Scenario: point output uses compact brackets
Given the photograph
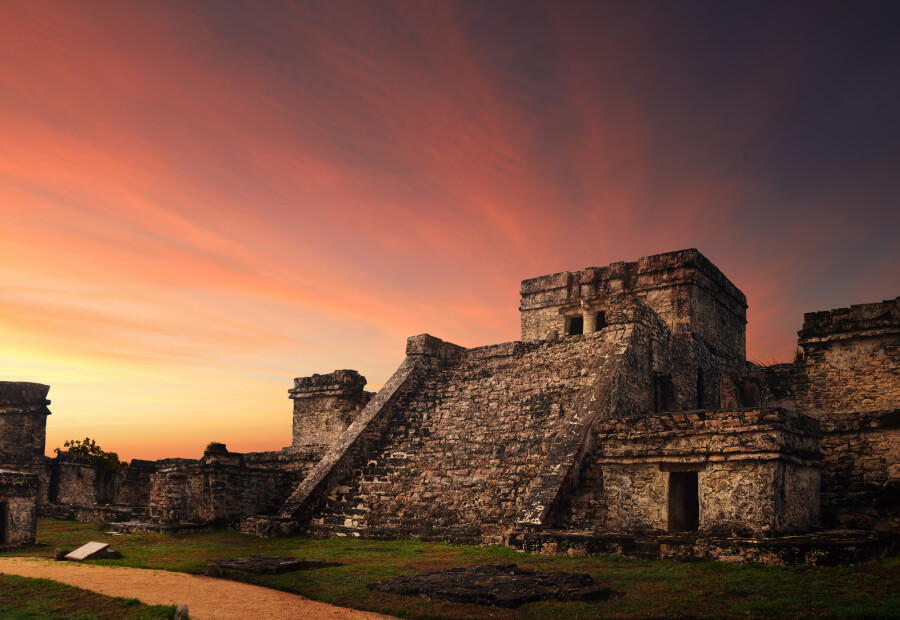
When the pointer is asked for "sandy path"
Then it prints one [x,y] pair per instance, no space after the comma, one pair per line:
[205,597]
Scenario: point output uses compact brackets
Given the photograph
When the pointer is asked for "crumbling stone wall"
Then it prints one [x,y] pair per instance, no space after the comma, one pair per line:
[324,406]
[78,480]
[18,508]
[466,444]
[861,474]
[217,489]
[849,378]
[757,470]
[851,360]
[686,290]
[23,419]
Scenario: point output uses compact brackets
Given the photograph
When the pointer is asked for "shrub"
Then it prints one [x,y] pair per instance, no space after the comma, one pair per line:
[89,447]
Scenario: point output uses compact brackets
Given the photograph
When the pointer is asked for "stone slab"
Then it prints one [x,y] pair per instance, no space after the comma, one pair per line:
[501,585]
[87,550]
[272,564]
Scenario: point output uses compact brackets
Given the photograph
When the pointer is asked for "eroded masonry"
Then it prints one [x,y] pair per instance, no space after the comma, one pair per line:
[626,420]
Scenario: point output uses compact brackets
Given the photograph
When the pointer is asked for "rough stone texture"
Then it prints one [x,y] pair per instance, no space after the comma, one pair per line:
[686,290]
[324,406]
[828,548]
[501,585]
[271,564]
[18,508]
[457,458]
[756,471]
[649,421]
[218,489]
[23,420]
[851,360]
[849,378]
[23,423]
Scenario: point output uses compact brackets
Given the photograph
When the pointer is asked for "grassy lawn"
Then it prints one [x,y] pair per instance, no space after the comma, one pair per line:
[21,597]
[647,588]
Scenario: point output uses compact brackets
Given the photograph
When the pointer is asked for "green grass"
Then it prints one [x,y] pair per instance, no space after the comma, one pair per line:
[21,597]
[647,588]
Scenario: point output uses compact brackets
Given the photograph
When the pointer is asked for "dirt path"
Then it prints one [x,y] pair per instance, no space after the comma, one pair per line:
[205,597]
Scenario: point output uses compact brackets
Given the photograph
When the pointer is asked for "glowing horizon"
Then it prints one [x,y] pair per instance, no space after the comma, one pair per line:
[199,203]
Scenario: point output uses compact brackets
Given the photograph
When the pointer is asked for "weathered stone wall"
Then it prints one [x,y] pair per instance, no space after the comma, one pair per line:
[861,474]
[757,471]
[23,419]
[466,444]
[324,406]
[686,290]
[18,508]
[77,480]
[218,489]
[23,424]
[851,360]
[131,485]
[849,378]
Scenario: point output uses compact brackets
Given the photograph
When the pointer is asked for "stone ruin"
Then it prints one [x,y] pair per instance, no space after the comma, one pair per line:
[626,420]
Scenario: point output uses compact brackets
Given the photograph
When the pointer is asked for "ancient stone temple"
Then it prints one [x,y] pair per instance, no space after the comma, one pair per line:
[626,420]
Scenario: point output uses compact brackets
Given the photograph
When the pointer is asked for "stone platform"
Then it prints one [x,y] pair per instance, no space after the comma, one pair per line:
[824,548]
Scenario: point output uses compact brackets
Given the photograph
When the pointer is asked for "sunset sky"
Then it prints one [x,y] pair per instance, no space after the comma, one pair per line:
[200,200]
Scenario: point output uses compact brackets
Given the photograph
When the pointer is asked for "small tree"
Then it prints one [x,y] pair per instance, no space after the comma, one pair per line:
[89,447]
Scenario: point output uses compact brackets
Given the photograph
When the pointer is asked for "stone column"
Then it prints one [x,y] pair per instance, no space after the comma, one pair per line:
[590,322]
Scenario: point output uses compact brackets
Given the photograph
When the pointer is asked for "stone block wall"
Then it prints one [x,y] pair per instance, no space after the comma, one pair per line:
[686,290]
[23,419]
[861,471]
[851,360]
[757,471]
[458,458]
[218,489]
[23,424]
[849,378]
[77,480]
[324,406]
[18,508]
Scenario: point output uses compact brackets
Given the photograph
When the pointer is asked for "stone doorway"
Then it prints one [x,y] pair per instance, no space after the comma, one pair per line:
[574,325]
[684,502]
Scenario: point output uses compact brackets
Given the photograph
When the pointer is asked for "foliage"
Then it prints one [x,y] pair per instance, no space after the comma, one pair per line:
[89,447]
[215,446]
[798,354]
[646,588]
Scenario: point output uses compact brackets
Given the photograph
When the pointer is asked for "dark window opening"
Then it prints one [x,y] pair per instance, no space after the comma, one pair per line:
[574,325]
[748,393]
[601,321]
[684,502]
[4,515]
[663,393]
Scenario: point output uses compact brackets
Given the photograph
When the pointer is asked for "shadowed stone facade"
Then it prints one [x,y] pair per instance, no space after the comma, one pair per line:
[23,423]
[626,420]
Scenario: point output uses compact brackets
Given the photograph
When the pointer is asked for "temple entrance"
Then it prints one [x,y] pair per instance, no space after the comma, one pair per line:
[574,325]
[684,502]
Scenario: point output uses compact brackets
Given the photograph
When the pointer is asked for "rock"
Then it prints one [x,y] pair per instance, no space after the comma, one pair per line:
[503,585]
[59,554]
[272,564]
[212,570]
[107,554]
[181,612]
